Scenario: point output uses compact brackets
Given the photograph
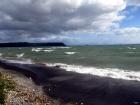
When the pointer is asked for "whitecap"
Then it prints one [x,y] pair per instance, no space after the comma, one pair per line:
[131,48]
[1,54]
[61,47]
[39,48]
[36,49]
[20,55]
[48,50]
[129,52]
[21,61]
[70,53]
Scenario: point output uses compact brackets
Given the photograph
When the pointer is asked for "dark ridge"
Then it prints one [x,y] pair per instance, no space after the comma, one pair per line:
[26,44]
[85,89]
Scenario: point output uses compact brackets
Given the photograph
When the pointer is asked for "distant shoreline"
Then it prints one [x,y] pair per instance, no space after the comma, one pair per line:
[27,44]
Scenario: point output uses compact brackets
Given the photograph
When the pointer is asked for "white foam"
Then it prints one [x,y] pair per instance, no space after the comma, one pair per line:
[48,50]
[129,52]
[39,48]
[20,55]
[62,47]
[107,72]
[70,53]
[131,48]
[42,49]
[1,54]
[23,61]
[58,48]
[36,49]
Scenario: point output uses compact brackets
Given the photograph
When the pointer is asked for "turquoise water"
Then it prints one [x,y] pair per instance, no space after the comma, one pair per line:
[116,56]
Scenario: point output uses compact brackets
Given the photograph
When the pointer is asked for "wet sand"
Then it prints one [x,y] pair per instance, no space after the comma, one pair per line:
[79,88]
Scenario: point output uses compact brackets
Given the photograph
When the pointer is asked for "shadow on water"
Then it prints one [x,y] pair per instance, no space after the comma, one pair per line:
[81,88]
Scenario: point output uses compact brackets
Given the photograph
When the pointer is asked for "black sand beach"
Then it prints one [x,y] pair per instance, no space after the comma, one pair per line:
[79,88]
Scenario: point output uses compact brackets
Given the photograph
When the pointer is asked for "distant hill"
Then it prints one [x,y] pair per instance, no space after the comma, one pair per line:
[26,44]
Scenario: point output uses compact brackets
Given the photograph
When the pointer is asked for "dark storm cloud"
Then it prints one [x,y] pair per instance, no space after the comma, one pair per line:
[31,17]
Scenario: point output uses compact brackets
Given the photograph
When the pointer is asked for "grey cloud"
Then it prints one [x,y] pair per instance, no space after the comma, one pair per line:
[56,16]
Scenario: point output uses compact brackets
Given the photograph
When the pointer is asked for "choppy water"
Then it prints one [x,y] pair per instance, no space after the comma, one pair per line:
[117,61]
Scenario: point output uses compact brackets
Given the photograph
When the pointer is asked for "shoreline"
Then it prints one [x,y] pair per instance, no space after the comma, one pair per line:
[83,89]
[27,92]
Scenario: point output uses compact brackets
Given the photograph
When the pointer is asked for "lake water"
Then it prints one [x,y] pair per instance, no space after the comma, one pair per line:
[116,61]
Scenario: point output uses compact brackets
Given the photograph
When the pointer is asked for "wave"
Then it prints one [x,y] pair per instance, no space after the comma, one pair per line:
[77,88]
[21,61]
[20,55]
[48,50]
[55,48]
[36,49]
[1,54]
[61,47]
[131,48]
[70,53]
[104,72]
[130,52]
[41,49]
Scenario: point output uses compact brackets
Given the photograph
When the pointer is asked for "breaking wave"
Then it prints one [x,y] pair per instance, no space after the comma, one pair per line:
[104,72]
[42,49]
[70,53]
[21,61]
[131,48]
[20,55]
[1,54]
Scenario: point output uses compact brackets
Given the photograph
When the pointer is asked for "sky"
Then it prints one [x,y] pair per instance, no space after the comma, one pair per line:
[74,22]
